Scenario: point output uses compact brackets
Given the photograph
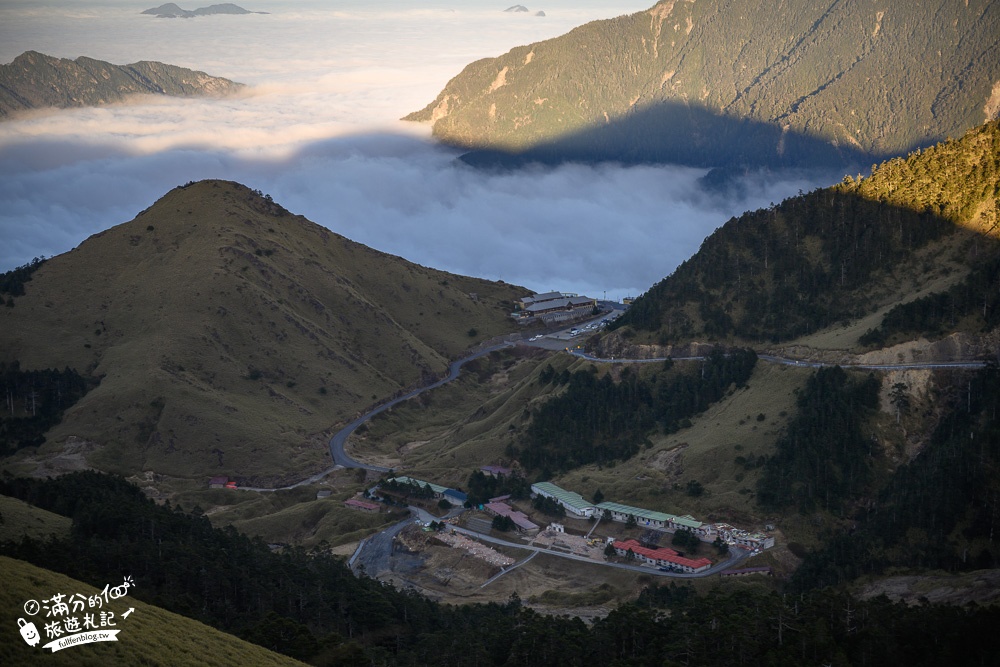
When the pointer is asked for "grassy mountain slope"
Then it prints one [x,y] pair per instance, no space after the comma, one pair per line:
[226,332]
[917,225]
[34,81]
[148,636]
[714,83]
[21,519]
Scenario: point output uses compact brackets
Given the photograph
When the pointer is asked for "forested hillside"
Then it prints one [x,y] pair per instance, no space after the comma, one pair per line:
[938,511]
[34,402]
[598,420]
[842,252]
[714,83]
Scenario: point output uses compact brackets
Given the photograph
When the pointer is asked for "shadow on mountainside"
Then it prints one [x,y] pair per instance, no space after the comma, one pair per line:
[682,134]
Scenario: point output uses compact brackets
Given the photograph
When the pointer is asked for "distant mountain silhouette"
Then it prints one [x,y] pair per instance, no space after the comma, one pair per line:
[34,80]
[171,10]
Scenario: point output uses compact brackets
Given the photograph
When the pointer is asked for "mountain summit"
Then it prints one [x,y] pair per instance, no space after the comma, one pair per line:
[227,332]
[714,83]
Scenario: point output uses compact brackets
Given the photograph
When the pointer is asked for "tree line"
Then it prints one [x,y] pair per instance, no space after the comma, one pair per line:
[12,282]
[826,458]
[805,264]
[971,305]
[482,487]
[598,420]
[34,402]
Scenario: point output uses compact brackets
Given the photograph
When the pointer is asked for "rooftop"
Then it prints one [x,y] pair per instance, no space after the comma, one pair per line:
[663,553]
[436,488]
[568,498]
[354,502]
[637,512]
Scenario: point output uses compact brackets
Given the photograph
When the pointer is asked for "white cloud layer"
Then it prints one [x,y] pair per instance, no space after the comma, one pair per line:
[318,131]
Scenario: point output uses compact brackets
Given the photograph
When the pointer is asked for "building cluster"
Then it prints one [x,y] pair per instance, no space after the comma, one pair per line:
[552,306]
[221,483]
[577,506]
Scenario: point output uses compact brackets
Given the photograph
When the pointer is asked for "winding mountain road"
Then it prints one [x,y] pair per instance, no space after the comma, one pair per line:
[339,439]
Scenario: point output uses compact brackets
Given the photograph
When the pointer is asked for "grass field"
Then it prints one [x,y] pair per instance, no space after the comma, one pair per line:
[446,434]
[19,519]
[147,636]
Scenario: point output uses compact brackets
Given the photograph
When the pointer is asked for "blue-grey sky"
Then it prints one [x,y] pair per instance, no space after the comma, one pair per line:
[318,131]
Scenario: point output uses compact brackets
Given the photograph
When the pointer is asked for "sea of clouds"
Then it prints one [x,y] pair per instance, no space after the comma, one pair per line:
[318,130]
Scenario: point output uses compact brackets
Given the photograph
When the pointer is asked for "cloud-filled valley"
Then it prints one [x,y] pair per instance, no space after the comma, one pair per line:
[318,132]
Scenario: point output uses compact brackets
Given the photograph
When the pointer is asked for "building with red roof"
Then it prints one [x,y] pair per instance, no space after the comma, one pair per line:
[661,557]
[520,519]
[362,505]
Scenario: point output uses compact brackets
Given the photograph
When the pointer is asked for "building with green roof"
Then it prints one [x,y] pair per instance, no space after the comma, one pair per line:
[643,517]
[572,502]
[575,505]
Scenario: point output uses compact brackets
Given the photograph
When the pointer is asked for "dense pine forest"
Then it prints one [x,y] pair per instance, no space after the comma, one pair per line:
[938,511]
[598,420]
[826,457]
[311,607]
[812,261]
[34,402]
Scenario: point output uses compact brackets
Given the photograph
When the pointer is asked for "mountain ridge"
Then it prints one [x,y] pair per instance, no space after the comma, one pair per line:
[171,11]
[854,75]
[35,81]
[229,335]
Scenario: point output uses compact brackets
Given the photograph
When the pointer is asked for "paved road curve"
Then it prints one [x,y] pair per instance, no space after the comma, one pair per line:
[339,439]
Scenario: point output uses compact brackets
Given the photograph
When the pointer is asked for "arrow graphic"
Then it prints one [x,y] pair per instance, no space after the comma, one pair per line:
[130,610]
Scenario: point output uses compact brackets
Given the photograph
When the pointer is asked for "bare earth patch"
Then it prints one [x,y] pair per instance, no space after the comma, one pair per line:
[981,587]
